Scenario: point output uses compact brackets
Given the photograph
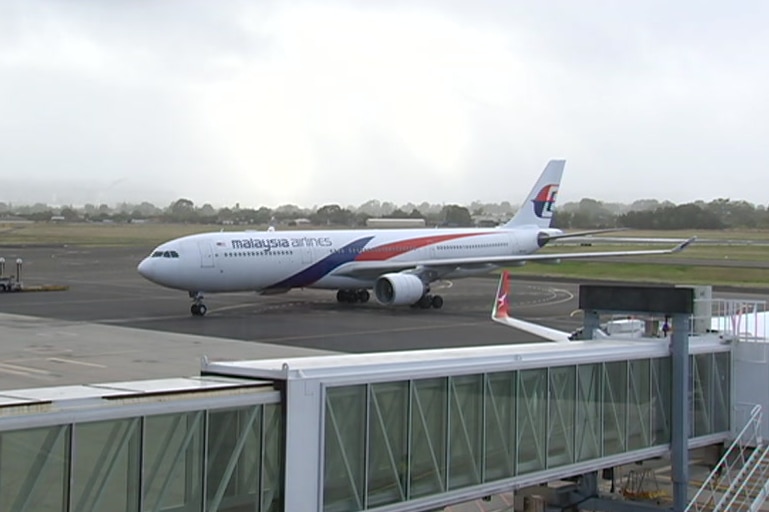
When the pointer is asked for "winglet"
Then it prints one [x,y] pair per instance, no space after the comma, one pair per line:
[683,245]
[499,311]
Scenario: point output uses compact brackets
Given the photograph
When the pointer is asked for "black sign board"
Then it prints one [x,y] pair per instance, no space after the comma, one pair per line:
[643,299]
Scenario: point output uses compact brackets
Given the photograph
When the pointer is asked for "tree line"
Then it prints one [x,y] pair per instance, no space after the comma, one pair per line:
[586,214]
[185,211]
[651,214]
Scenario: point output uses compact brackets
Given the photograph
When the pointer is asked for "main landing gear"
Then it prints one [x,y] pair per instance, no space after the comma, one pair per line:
[351,296]
[197,308]
[428,301]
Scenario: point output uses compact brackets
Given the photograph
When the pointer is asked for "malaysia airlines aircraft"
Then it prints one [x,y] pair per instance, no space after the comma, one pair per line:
[397,264]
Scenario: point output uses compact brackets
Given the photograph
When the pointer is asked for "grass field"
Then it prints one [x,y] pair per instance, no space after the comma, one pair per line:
[710,251]
[660,273]
[705,271]
[96,234]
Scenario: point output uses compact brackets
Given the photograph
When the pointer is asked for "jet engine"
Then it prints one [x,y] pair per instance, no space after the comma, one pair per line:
[544,236]
[399,289]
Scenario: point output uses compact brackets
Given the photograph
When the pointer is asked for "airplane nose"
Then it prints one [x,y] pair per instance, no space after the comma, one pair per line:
[145,269]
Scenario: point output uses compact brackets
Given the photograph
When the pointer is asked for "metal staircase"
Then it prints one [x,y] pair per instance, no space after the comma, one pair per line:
[739,482]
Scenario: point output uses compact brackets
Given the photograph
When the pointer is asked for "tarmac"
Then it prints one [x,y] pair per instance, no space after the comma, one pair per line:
[111,324]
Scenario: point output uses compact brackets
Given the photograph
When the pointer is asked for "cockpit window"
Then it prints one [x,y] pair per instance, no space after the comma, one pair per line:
[165,254]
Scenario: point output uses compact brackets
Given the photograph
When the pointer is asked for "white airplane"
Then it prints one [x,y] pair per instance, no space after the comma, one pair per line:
[397,264]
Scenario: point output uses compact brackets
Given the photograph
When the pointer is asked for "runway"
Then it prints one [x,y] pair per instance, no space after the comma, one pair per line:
[113,325]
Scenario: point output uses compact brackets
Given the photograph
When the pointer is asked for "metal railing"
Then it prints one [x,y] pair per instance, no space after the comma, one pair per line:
[742,320]
[743,456]
[749,493]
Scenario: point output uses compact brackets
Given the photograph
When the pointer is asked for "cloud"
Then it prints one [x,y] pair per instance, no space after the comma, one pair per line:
[341,101]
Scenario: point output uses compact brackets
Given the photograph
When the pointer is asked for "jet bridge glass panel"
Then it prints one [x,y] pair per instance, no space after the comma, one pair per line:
[588,412]
[710,388]
[500,425]
[391,442]
[34,469]
[105,465]
[388,443]
[173,460]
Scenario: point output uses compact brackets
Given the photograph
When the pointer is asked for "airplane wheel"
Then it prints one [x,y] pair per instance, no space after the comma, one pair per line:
[341,296]
[425,302]
[202,310]
[437,302]
[363,296]
[195,310]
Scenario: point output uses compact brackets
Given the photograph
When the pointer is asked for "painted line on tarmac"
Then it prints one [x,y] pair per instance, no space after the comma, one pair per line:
[22,370]
[569,296]
[72,361]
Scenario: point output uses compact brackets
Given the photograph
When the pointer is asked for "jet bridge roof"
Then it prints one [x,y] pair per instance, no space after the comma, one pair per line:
[425,363]
[141,393]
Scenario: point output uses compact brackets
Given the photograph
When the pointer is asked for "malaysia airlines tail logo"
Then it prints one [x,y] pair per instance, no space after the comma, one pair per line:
[544,201]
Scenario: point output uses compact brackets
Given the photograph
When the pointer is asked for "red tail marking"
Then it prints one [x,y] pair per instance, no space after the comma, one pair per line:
[502,295]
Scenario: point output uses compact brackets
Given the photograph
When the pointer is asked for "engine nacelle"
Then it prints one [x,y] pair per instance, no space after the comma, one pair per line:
[398,289]
[543,237]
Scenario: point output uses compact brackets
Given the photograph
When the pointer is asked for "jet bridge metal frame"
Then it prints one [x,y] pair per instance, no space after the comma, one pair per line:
[674,302]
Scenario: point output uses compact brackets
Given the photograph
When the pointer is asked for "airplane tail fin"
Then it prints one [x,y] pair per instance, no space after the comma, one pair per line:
[499,313]
[538,208]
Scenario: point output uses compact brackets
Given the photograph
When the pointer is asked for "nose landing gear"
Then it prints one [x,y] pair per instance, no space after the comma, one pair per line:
[197,308]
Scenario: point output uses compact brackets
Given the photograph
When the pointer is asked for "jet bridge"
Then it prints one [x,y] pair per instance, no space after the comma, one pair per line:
[400,431]
[422,430]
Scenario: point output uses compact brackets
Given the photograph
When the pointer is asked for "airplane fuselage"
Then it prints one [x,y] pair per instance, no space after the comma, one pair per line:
[275,261]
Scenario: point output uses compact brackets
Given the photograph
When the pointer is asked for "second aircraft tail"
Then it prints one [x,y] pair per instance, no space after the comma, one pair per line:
[499,314]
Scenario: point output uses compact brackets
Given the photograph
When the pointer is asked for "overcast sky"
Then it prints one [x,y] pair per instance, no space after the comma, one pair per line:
[445,101]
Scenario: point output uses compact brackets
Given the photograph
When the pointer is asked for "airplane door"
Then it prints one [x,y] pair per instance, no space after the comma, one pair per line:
[206,255]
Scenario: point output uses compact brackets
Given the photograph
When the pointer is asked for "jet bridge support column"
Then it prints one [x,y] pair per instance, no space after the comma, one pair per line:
[590,322]
[678,303]
[679,449]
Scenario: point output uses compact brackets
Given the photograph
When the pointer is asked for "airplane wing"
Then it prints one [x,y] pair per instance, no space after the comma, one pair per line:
[443,266]
[578,238]
[585,234]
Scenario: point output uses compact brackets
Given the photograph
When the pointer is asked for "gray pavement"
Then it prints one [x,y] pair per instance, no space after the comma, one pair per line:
[111,324]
